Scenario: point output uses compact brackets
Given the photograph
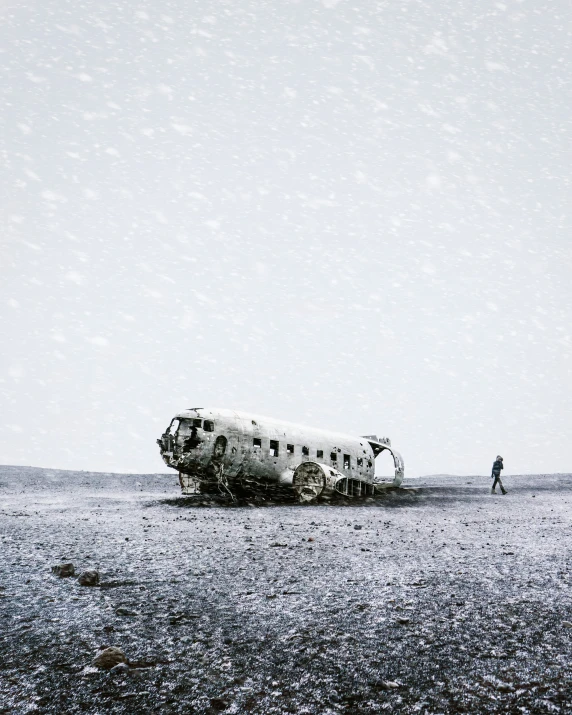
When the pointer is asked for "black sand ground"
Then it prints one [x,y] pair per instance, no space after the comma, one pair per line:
[437,598]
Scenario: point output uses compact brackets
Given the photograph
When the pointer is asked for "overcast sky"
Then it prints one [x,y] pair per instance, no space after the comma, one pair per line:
[354,215]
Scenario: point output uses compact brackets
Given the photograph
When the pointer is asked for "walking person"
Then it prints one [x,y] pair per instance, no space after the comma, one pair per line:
[495,475]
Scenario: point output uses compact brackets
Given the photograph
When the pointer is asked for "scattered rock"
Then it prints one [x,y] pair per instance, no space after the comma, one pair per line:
[567,624]
[120,668]
[88,578]
[504,688]
[357,527]
[219,704]
[177,618]
[403,620]
[389,685]
[63,570]
[109,658]
[121,611]
[311,538]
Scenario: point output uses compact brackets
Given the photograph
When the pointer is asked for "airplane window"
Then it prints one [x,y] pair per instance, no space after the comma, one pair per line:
[257,442]
[334,456]
[346,461]
[209,426]
[305,451]
[320,454]
[273,448]
[290,448]
[197,423]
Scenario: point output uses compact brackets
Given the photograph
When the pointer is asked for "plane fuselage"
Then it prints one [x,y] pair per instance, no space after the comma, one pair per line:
[227,448]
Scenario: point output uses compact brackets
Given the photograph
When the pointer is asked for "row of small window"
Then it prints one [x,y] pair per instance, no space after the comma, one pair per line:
[207,425]
[275,451]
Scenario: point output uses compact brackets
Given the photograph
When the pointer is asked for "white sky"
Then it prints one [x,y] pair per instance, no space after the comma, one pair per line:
[354,215]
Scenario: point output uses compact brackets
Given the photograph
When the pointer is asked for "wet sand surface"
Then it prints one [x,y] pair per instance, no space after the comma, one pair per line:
[435,598]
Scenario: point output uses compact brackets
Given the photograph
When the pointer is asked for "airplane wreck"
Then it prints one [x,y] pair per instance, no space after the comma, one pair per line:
[228,452]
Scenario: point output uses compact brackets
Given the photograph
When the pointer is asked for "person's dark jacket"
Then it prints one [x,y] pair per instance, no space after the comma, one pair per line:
[497,466]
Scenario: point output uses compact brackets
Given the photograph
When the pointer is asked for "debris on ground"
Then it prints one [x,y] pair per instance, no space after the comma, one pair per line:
[88,578]
[63,570]
[109,657]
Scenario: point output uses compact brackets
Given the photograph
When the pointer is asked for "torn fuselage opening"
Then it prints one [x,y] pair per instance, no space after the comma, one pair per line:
[380,445]
[167,440]
[192,441]
[181,443]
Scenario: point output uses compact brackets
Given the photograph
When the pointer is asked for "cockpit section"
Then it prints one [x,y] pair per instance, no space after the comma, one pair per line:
[183,436]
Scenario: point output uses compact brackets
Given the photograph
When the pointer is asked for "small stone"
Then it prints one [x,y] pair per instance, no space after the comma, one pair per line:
[311,538]
[121,611]
[219,704]
[403,620]
[567,624]
[504,688]
[108,658]
[120,669]
[63,570]
[357,527]
[88,578]
[389,685]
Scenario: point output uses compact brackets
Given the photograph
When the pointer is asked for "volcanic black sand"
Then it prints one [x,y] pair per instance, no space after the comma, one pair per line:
[435,598]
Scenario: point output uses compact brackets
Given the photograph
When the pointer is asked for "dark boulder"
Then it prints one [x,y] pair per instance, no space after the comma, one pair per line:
[109,657]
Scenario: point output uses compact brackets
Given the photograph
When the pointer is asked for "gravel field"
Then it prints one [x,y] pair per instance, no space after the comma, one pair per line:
[435,598]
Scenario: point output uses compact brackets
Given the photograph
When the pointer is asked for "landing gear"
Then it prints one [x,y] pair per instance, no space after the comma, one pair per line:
[189,485]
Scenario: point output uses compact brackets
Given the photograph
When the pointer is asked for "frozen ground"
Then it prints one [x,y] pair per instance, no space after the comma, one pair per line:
[437,598]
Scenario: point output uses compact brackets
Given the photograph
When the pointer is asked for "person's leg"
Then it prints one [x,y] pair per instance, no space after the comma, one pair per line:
[503,490]
[494,485]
